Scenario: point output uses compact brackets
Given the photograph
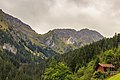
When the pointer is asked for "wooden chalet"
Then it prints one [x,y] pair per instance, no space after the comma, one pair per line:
[105,67]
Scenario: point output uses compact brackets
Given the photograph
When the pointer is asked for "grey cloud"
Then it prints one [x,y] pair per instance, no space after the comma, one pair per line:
[28,10]
[102,15]
[81,2]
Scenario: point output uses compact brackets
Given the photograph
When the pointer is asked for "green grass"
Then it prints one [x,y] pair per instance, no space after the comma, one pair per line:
[115,77]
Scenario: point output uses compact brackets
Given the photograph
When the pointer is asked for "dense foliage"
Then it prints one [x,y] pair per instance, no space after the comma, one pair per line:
[58,72]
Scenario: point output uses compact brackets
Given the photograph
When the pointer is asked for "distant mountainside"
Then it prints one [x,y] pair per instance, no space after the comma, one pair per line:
[42,46]
[64,40]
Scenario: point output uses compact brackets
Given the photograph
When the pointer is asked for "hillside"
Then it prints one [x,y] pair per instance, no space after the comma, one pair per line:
[22,34]
[20,50]
[115,77]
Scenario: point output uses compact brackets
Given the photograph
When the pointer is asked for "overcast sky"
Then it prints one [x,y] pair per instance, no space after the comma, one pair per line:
[45,15]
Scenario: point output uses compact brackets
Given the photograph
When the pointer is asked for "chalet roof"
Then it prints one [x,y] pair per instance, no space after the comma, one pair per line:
[107,65]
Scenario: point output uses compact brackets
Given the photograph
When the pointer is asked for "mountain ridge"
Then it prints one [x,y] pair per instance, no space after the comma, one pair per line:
[70,38]
[58,40]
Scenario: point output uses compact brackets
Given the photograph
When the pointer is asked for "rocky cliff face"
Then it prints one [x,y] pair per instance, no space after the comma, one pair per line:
[10,48]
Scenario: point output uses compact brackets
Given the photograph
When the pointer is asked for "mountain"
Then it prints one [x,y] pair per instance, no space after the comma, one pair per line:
[49,44]
[18,38]
[64,40]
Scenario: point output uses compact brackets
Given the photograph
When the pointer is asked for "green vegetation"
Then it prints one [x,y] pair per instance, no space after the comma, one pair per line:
[115,77]
[58,72]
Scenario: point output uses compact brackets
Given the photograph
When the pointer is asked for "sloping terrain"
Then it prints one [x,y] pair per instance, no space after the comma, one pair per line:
[115,77]
[22,38]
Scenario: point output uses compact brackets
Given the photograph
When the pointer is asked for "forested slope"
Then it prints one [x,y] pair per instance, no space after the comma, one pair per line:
[82,62]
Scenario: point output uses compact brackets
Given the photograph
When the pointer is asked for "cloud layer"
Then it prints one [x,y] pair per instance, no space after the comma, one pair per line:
[44,15]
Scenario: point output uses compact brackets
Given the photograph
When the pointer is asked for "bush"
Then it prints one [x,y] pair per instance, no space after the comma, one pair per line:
[99,75]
